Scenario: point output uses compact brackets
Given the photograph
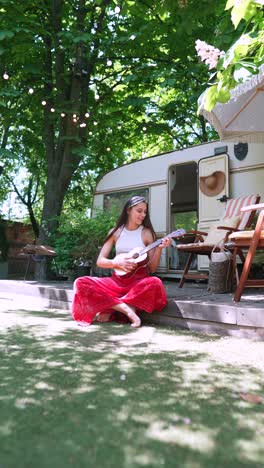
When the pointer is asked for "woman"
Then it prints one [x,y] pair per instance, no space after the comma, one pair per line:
[117,296]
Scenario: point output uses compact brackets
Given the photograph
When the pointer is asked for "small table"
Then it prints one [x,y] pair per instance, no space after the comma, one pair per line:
[38,254]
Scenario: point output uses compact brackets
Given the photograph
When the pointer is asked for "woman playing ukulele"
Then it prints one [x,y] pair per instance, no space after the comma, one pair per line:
[123,295]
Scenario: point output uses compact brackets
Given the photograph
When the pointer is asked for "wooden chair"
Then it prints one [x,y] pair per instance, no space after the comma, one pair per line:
[200,245]
[250,241]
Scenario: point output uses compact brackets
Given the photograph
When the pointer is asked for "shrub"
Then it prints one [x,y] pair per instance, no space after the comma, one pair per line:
[79,239]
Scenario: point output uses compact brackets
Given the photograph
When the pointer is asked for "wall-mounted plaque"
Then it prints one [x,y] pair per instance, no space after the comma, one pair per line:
[241,150]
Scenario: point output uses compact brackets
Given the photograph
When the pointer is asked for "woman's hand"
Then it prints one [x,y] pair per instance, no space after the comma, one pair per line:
[166,242]
[124,263]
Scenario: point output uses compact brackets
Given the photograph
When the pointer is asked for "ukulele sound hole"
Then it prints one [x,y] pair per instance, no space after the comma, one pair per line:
[136,255]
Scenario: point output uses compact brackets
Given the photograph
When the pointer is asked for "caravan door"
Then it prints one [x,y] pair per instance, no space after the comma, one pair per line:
[213,190]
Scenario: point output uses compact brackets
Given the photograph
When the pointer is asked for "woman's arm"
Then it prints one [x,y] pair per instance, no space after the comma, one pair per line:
[103,261]
[121,263]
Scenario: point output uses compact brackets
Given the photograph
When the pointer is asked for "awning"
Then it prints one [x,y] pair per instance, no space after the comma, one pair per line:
[241,119]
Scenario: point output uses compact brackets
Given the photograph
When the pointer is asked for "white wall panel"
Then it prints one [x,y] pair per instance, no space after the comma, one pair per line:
[158,207]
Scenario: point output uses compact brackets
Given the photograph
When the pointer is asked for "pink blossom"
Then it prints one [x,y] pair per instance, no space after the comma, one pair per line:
[208,54]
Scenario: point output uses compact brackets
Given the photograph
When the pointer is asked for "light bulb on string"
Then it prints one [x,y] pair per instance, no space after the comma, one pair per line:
[87,115]
[62,114]
[117,10]
[52,109]
[109,63]
[31,91]
[108,149]
[144,129]
[83,124]
[43,103]
[5,76]
[90,133]
[95,123]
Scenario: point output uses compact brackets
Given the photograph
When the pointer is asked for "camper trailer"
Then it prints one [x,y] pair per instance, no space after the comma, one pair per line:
[173,184]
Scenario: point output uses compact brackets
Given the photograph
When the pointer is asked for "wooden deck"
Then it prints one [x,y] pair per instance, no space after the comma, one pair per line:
[194,308]
[191,307]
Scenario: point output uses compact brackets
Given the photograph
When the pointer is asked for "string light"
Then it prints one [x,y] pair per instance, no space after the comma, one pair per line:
[109,63]
[108,149]
[75,117]
[144,129]
[117,9]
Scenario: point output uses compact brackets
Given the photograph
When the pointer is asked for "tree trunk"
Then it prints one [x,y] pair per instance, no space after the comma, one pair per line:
[57,184]
[61,158]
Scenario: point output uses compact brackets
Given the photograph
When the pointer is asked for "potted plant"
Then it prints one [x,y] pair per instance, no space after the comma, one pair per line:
[4,247]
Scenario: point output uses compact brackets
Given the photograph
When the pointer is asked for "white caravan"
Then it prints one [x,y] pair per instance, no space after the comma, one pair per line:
[171,183]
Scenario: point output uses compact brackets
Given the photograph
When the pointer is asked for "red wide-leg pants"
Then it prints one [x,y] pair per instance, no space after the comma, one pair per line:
[93,295]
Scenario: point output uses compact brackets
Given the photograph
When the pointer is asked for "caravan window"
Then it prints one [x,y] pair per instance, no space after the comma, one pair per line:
[116,200]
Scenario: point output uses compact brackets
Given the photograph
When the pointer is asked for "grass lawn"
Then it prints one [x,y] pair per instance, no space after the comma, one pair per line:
[111,396]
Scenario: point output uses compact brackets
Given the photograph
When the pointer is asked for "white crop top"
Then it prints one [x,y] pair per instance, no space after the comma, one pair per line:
[128,240]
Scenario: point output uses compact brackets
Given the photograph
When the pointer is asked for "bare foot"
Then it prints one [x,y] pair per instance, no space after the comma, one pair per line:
[129,311]
[134,318]
[103,317]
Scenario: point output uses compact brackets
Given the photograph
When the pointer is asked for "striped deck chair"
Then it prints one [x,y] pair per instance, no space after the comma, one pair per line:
[249,241]
[232,220]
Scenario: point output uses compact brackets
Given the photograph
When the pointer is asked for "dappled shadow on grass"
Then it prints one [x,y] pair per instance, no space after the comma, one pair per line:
[110,396]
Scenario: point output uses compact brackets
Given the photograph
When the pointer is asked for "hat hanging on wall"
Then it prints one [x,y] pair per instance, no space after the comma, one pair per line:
[212,184]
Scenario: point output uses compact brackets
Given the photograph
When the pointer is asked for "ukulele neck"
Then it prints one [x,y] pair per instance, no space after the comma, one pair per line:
[179,232]
[152,246]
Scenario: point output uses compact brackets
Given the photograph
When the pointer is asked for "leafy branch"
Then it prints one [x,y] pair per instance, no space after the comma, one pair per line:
[242,59]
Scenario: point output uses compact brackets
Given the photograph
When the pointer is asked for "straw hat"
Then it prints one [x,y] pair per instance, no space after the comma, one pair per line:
[212,184]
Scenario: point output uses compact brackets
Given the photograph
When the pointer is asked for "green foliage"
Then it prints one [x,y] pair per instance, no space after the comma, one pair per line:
[244,57]
[244,10]
[187,221]
[79,238]
[133,72]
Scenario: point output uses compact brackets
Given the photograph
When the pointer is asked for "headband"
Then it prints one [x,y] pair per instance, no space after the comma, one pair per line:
[136,200]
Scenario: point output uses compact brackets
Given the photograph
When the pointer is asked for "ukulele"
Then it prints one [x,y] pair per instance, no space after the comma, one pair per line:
[140,255]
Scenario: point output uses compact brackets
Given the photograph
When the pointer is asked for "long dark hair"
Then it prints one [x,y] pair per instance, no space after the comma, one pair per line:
[123,218]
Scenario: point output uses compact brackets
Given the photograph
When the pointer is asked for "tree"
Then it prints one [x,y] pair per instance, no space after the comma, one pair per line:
[94,83]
